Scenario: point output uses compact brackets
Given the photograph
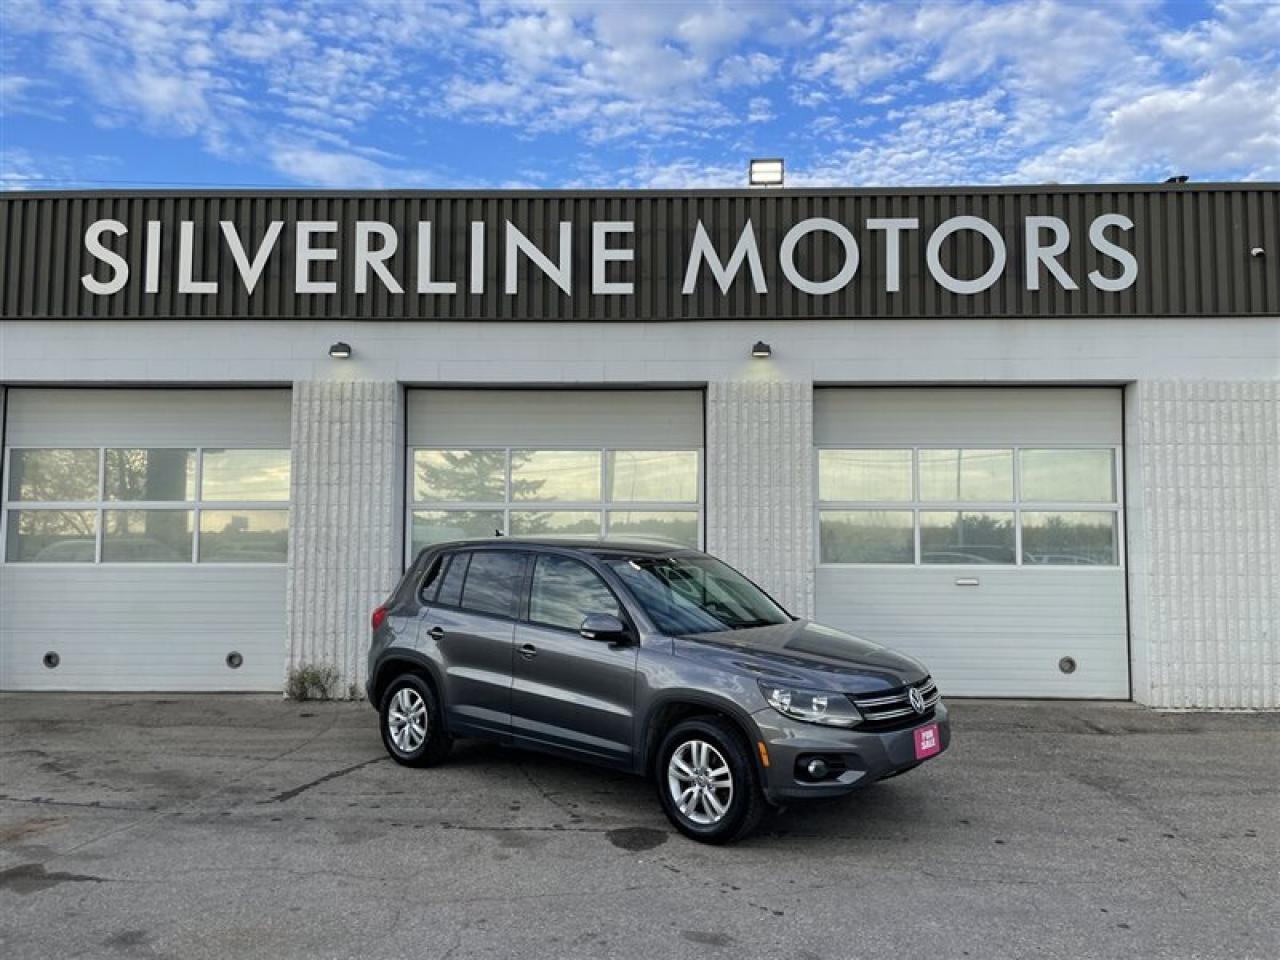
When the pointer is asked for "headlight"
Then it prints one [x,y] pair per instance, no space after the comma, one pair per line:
[811,706]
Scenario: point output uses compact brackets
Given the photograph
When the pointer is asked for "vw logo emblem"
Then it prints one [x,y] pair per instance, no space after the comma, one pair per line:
[917,701]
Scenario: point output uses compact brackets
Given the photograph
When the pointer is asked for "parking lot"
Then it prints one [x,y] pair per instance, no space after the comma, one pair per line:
[228,826]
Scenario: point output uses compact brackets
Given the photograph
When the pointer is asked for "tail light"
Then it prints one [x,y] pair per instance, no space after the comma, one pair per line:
[378,617]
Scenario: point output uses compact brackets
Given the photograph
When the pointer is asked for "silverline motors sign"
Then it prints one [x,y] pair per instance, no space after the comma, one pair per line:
[376,244]
[1051,251]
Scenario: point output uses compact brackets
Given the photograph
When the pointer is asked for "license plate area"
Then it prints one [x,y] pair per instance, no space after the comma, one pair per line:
[927,741]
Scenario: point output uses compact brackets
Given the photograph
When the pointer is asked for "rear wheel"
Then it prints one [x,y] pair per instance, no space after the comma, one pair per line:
[412,730]
[707,781]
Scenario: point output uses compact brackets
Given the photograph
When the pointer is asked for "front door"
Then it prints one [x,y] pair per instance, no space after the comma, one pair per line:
[570,692]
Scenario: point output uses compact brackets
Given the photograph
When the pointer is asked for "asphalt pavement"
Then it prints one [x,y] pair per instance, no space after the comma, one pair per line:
[236,826]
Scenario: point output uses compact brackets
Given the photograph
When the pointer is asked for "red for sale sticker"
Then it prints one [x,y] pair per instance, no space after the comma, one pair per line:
[927,743]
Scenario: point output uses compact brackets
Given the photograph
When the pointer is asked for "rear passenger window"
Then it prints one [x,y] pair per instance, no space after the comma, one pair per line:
[493,583]
[566,591]
[451,584]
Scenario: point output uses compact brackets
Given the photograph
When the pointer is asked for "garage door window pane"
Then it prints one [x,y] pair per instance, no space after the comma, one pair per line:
[966,537]
[564,475]
[245,475]
[51,536]
[654,476]
[1069,538]
[1067,476]
[53,476]
[966,475]
[464,476]
[556,522]
[244,536]
[678,525]
[866,536]
[146,536]
[864,475]
[150,474]
[439,526]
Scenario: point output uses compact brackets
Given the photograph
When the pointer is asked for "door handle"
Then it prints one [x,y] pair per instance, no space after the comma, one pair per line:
[528,651]
[436,633]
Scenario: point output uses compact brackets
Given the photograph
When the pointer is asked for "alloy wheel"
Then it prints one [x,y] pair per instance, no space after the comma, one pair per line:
[700,782]
[407,720]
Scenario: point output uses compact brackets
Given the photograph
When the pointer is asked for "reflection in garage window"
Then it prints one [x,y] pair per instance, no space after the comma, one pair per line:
[1070,538]
[563,475]
[468,493]
[640,476]
[1065,506]
[870,476]
[244,475]
[966,537]
[53,476]
[159,474]
[867,536]
[467,476]
[574,523]
[966,476]
[680,526]
[51,536]
[147,536]
[61,508]
[438,526]
[244,536]
[1068,476]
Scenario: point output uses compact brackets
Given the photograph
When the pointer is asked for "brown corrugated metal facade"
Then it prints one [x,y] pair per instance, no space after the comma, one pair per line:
[1192,244]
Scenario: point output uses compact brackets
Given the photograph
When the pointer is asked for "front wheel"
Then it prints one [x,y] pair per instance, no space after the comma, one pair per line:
[412,730]
[707,781]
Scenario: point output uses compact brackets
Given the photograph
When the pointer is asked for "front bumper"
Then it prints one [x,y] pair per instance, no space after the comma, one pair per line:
[867,756]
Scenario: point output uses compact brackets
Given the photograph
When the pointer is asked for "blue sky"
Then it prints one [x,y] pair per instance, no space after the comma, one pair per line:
[604,93]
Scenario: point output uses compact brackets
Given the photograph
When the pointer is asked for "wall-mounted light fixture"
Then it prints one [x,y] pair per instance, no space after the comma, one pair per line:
[340,350]
[761,349]
[765,172]
[1257,252]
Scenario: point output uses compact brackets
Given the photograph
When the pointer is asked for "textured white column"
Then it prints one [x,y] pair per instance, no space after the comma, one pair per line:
[345,537]
[760,485]
[1204,517]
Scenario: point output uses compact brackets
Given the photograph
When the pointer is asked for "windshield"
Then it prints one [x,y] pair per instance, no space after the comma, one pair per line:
[696,594]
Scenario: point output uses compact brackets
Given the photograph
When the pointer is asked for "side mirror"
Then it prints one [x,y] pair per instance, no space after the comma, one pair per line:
[604,627]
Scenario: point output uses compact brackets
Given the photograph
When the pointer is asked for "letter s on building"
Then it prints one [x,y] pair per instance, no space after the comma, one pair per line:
[1127,261]
[119,266]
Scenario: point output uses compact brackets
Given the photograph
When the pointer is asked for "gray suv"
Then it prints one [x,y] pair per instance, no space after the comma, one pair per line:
[657,660]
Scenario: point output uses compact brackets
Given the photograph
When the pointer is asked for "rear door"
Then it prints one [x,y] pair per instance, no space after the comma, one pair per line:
[570,692]
[471,626]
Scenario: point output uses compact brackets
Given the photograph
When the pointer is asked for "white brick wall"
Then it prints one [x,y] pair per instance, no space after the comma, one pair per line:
[760,484]
[345,538]
[1204,516]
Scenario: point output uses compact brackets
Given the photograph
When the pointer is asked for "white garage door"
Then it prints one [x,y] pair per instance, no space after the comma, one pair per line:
[144,540]
[979,529]
[588,463]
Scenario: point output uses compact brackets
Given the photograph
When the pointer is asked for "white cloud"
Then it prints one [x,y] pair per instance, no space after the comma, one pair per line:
[1228,118]
[760,110]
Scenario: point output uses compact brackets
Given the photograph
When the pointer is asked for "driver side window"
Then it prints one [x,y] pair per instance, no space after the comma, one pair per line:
[566,591]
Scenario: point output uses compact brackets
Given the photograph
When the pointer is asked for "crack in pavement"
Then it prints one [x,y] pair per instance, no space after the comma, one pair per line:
[334,775]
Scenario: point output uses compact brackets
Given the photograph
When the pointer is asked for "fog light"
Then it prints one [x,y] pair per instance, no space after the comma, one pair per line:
[817,768]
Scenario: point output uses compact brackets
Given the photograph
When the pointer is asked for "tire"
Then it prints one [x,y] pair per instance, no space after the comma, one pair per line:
[726,806]
[410,694]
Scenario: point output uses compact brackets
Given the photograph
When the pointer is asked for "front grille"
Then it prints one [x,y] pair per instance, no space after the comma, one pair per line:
[893,710]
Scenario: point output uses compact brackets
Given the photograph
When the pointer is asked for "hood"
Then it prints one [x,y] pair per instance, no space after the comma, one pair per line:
[806,653]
